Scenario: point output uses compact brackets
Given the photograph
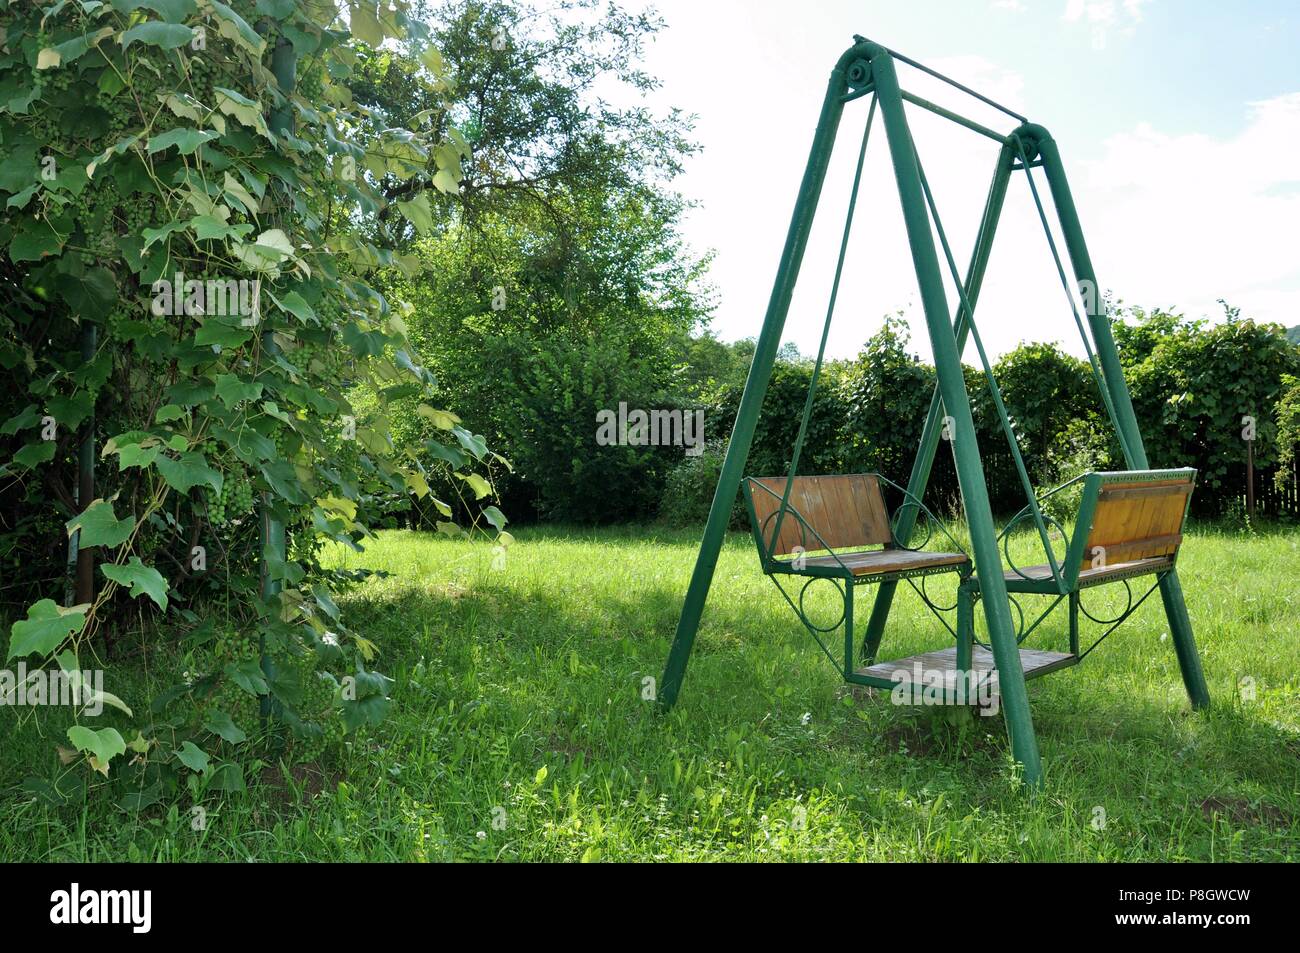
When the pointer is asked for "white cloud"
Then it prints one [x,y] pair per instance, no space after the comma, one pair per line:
[1187,219]
[1011,6]
[1170,219]
[1103,16]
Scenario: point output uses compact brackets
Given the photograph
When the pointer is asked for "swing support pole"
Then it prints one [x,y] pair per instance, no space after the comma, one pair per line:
[1171,589]
[933,430]
[956,403]
[849,72]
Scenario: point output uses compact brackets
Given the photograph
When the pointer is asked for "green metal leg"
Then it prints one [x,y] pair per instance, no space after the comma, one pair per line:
[1171,592]
[965,628]
[919,481]
[760,373]
[956,401]
[1180,627]
[1074,623]
[848,628]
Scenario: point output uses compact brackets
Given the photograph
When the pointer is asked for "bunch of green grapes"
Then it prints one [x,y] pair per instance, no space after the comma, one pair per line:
[237,646]
[137,214]
[287,443]
[243,708]
[311,84]
[58,79]
[314,357]
[235,499]
[123,116]
[120,314]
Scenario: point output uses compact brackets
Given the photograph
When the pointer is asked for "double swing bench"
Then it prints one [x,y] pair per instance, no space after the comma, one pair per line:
[838,528]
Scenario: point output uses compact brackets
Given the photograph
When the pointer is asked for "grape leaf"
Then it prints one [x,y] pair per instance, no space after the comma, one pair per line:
[234,391]
[248,676]
[102,745]
[188,471]
[46,626]
[37,240]
[185,140]
[418,213]
[221,724]
[142,580]
[193,757]
[173,11]
[495,517]
[167,36]
[236,28]
[295,305]
[100,526]
[477,484]
[224,335]
[40,452]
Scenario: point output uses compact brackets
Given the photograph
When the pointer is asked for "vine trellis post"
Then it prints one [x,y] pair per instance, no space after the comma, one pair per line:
[271,535]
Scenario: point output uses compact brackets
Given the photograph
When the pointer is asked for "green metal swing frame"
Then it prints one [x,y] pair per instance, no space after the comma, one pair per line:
[868,69]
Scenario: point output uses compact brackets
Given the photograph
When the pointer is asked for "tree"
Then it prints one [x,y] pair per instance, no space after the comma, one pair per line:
[187,247]
[558,283]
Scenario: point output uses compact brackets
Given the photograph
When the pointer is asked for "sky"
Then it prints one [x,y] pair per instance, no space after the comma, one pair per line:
[1178,122]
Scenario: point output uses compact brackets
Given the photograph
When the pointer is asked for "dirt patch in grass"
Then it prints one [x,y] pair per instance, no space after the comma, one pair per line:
[1242,813]
[310,779]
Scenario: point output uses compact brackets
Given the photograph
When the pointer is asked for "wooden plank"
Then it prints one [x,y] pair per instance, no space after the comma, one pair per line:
[1138,520]
[1135,491]
[1034,662]
[880,561]
[846,510]
[1088,575]
[844,528]
[1143,548]
[878,514]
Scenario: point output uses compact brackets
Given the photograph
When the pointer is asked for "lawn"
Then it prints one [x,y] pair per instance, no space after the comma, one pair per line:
[521,733]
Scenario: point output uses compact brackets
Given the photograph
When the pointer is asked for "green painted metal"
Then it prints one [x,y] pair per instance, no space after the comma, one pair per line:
[1171,590]
[868,68]
[965,625]
[933,430]
[760,371]
[956,401]
[970,124]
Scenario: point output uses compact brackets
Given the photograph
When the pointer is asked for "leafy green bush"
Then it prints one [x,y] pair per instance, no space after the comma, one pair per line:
[1193,385]
[689,488]
[1288,430]
[142,140]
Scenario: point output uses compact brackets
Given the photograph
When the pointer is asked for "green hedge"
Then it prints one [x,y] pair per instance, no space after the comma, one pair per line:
[1192,384]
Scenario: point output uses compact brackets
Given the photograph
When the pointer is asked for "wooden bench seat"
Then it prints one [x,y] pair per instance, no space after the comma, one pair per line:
[879,562]
[1091,576]
[1130,524]
[830,527]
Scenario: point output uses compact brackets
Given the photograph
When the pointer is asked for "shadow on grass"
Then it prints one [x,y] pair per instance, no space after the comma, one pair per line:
[562,665]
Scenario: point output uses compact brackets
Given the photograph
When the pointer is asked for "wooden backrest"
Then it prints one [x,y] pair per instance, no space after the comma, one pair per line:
[1134,515]
[847,511]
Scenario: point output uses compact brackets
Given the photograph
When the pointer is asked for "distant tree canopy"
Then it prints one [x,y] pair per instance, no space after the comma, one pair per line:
[558,283]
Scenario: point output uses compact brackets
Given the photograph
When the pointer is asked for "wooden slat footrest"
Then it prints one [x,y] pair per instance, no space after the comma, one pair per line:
[943,664]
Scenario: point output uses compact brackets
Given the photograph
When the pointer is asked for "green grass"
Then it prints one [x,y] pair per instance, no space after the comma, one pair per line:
[519,696]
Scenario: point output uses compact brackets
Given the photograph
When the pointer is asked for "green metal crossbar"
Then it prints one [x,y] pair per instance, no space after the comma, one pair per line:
[865,69]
